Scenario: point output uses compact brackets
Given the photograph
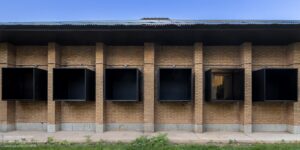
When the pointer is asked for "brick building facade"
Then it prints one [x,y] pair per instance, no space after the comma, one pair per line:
[149,45]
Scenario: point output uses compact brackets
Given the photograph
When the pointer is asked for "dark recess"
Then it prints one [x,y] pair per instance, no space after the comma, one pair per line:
[73,84]
[122,84]
[224,32]
[275,84]
[229,85]
[175,84]
[24,84]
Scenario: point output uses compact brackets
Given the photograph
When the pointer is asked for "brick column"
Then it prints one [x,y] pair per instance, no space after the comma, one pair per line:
[149,86]
[54,108]
[7,109]
[294,108]
[246,60]
[100,61]
[199,98]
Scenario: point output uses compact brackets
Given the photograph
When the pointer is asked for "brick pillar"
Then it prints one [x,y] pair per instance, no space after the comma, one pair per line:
[100,61]
[294,108]
[246,61]
[149,86]
[7,109]
[54,108]
[198,102]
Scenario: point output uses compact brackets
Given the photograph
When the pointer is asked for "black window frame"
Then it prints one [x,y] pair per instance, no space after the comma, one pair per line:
[238,82]
[88,85]
[189,98]
[138,85]
[260,87]
[39,85]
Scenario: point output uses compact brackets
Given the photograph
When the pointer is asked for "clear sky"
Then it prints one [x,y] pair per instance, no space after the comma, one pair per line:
[74,10]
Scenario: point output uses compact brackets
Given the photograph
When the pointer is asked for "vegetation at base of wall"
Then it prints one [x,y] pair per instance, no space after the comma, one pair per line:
[159,142]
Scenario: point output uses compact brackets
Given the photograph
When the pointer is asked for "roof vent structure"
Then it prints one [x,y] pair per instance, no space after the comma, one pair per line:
[155,18]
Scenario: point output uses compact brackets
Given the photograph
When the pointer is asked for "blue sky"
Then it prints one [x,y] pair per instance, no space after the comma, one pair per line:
[74,10]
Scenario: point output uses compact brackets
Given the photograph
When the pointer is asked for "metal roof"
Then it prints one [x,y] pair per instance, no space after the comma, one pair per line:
[154,22]
[165,31]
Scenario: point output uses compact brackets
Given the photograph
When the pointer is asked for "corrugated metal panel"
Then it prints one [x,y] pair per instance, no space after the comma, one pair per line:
[155,22]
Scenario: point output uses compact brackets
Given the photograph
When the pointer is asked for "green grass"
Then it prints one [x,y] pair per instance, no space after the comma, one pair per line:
[144,143]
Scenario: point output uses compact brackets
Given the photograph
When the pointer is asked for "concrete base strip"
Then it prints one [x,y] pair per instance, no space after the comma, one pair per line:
[198,128]
[246,128]
[222,127]
[174,127]
[31,126]
[294,129]
[269,127]
[150,127]
[99,128]
[77,126]
[53,128]
[124,127]
[7,127]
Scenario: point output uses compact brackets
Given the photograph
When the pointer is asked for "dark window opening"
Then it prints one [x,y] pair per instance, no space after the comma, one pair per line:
[175,84]
[275,85]
[73,84]
[122,84]
[224,84]
[24,84]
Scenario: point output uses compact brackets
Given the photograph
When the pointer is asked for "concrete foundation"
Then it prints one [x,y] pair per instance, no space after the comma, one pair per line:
[124,127]
[77,127]
[174,127]
[222,127]
[246,128]
[53,128]
[149,127]
[31,126]
[198,128]
[99,128]
[294,129]
[270,128]
[7,127]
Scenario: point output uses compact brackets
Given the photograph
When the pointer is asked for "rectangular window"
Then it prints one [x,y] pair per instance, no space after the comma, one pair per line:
[224,84]
[275,84]
[122,84]
[73,84]
[24,84]
[175,84]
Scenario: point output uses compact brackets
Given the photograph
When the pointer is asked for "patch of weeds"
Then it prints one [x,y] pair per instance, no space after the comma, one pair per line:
[148,143]
[64,142]
[232,141]
[23,140]
[50,140]
[88,139]
[33,140]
